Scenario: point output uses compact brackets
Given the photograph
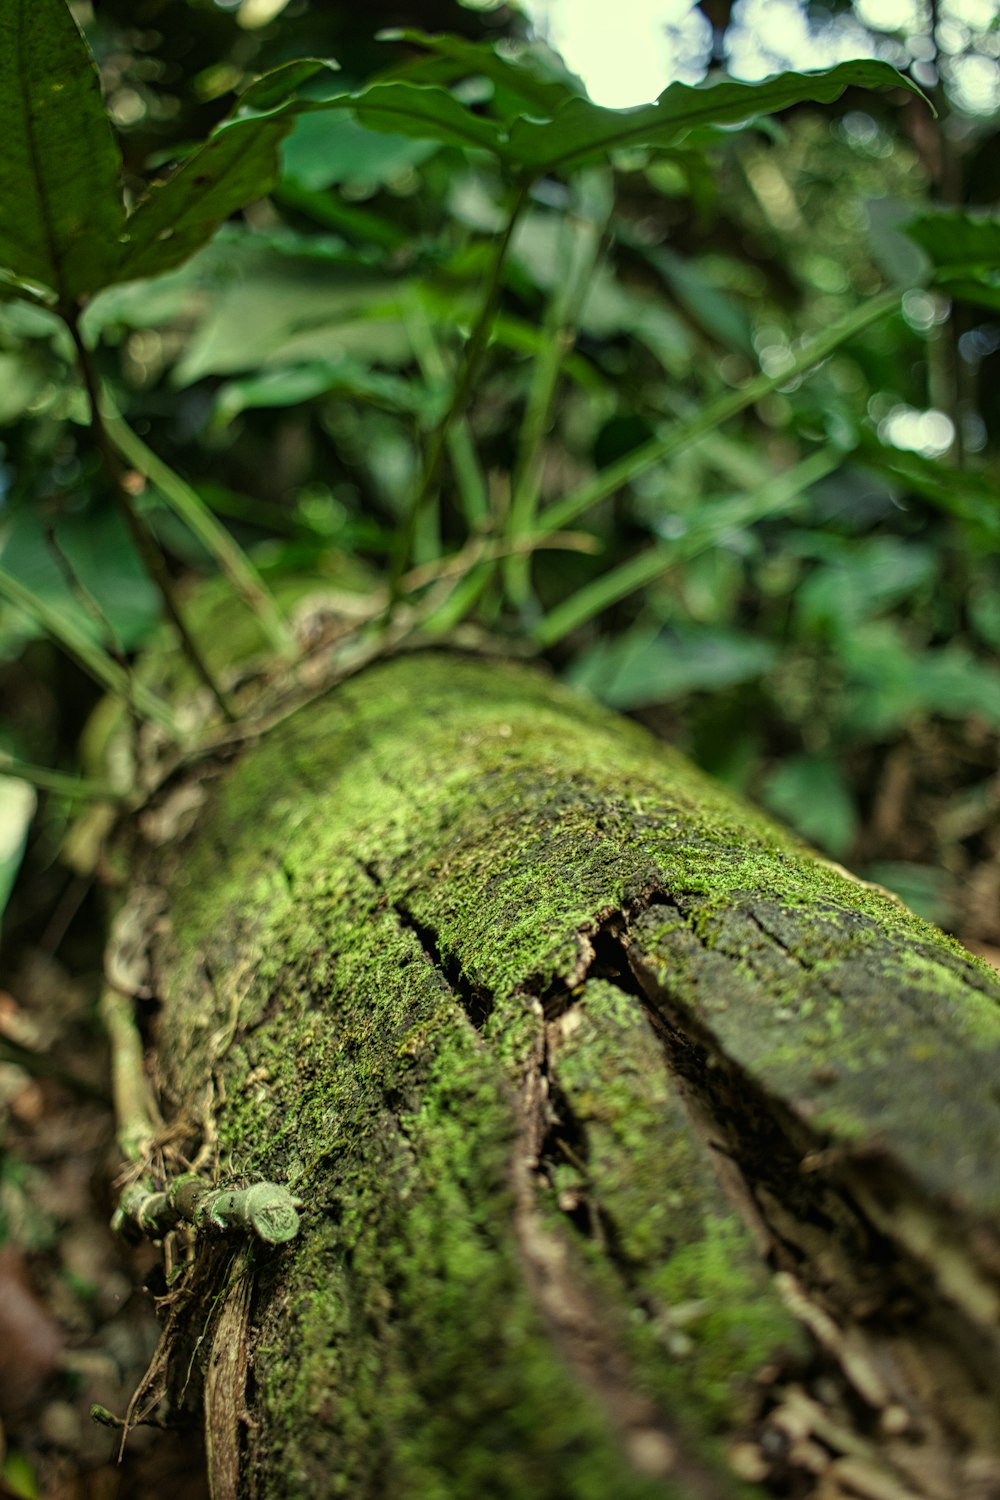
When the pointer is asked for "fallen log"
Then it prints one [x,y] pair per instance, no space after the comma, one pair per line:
[640,1152]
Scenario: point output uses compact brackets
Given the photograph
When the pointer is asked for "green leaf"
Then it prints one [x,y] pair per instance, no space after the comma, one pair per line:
[984,612]
[957,239]
[98,549]
[582,132]
[869,577]
[280,86]
[965,494]
[902,262]
[965,250]
[328,147]
[22,381]
[181,214]
[717,312]
[524,85]
[290,385]
[283,311]
[891,683]
[925,889]
[62,209]
[810,792]
[421,111]
[636,670]
[239,162]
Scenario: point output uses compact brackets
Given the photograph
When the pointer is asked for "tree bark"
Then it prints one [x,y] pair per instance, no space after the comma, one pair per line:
[642,1153]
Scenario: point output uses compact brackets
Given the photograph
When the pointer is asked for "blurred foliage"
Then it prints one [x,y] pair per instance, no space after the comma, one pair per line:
[803,594]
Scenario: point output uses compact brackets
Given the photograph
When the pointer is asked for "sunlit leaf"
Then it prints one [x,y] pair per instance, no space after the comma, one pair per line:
[524,85]
[282,311]
[61,208]
[422,111]
[582,132]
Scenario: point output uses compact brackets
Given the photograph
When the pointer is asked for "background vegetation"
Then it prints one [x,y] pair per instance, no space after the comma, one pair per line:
[784,562]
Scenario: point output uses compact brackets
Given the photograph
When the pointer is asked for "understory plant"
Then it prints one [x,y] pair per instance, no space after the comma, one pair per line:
[515,386]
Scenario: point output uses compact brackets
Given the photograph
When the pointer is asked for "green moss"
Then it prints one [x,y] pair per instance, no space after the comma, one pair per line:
[641,1182]
[370,897]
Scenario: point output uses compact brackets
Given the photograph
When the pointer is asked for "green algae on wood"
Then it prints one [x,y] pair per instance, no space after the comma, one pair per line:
[384,907]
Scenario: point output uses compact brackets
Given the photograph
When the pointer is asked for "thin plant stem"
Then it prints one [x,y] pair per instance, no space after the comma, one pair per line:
[465,379]
[136,1118]
[561,319]
[92,657]
[772,499]
[113,644]
[74,788]
[640,460]
[472,491]
[186,503]
[149,553]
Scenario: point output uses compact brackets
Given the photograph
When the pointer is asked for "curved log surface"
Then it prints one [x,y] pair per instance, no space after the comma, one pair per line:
[643,1153]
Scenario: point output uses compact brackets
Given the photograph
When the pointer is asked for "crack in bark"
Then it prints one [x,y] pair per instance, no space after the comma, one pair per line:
[877,1307]
[475,1000]
[875,1310]
[779,942]
[580,1323]
[595,1352]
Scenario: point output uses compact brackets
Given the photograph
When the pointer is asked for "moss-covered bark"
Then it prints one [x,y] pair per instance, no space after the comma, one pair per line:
[643,1154]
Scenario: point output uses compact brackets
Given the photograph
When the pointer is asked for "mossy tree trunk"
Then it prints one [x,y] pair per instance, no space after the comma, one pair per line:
[642,1153]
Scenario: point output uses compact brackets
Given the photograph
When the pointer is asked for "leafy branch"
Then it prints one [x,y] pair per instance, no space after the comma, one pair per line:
[73,235]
